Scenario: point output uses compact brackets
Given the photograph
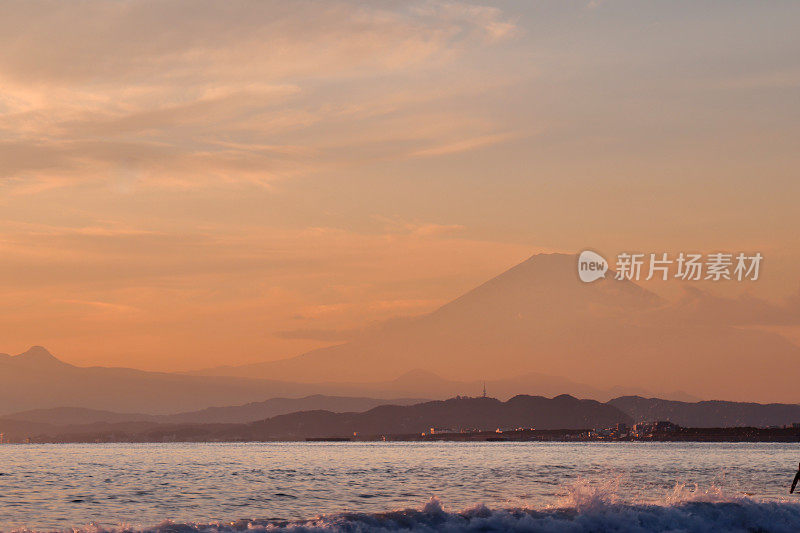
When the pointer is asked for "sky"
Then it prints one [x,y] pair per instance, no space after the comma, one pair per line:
[185,184]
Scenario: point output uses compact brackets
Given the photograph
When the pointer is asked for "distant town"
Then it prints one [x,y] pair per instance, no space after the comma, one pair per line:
[659,431]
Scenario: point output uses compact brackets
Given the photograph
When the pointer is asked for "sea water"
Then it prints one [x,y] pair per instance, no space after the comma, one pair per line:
[350,486]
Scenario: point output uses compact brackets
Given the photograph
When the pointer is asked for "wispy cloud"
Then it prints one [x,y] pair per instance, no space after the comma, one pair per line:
[324,335]
[195,94]
[102,306]
[463,145]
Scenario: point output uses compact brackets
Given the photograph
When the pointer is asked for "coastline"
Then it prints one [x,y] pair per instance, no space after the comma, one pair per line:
[678,434]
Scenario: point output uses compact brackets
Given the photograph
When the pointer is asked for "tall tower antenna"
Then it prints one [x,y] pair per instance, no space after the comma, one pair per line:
[484,389]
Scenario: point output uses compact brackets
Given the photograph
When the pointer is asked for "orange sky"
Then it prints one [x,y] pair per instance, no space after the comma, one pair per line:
[186,184]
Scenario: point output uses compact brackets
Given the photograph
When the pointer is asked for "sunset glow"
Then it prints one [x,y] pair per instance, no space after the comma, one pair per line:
[190,184]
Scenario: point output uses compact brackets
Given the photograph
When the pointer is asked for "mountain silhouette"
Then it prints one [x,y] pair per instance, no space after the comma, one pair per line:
[490,332]
[37,380]
[420,382]
[538,317]
[708,414]
[303,417]
[562,412]
[250,412]
[35,358]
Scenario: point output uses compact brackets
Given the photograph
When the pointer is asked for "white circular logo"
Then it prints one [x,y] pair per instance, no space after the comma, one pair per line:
[591,266]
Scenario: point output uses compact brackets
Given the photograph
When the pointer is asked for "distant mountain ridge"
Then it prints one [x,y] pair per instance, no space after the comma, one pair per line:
[706,414]
[36,379]
[250,412]
[562,412]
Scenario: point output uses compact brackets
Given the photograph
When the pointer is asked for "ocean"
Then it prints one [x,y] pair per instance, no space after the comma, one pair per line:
[386,486]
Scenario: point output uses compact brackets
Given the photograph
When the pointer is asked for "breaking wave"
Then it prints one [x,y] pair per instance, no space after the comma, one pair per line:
[585,508]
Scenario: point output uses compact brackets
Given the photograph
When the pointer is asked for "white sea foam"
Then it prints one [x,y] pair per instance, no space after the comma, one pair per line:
[585,508]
